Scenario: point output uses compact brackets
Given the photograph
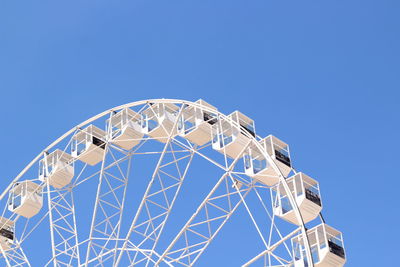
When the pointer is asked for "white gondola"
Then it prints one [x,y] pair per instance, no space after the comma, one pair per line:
[25,198]
[195,124]
[306,193]
[126,131]
[326,245]
[56,169]
[228,137]
[158,121]
[257,166]
[279,151]
[89,145]
[6,233]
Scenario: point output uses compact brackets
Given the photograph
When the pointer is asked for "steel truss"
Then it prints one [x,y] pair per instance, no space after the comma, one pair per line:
[15,256]
[63,230]
[207,221]
[110,198]
[274,238]
[154,210]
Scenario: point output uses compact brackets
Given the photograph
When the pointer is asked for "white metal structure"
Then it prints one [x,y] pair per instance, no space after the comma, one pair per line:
[152,183]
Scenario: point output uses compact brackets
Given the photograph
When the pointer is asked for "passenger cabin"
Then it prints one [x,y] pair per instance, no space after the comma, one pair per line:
[89,145]
[56,169]
[326,245]
[158,120]
[126,131]
[231,135]
[25,198]
[305,191]
[257,166]
[279,151]
[196,123]
[6,233]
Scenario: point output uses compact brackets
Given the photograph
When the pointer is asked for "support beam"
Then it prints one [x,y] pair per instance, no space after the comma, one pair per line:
[109,205]
[64,236]
[207,221]
[14,256]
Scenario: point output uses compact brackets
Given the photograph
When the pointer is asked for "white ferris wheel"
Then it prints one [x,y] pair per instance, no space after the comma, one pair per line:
[152,183]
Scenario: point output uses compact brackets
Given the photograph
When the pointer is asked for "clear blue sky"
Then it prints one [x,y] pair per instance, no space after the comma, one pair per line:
[321,75]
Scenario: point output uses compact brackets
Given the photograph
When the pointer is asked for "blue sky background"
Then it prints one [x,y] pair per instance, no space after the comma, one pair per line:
[321,75]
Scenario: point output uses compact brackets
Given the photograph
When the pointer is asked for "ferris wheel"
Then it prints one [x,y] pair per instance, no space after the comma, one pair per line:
[153,183]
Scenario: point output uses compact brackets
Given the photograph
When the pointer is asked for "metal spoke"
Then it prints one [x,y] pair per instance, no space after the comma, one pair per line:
[109,205]
[213,213]
[64,235]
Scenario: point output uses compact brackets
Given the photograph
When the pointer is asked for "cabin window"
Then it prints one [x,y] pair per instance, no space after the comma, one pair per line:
[7,234]
[282,156]
[210,118]
[259,165]
[247,161]
[285,205]
[314,197]
[315,253]
[249,128]
[336,249]
[98,142]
